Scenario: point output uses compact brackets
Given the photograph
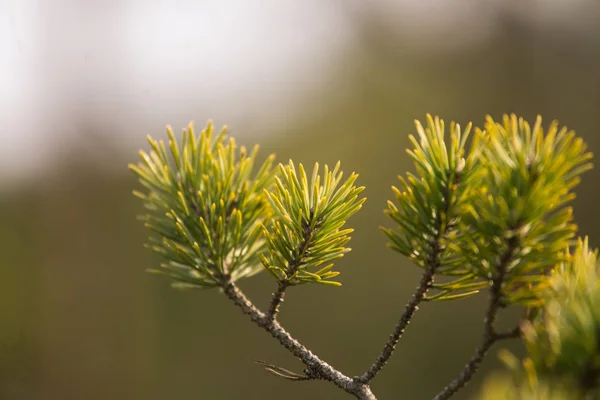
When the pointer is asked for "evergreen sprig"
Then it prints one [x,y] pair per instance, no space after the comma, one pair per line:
[517,222]
[428,205]
[305,233]
[205,205]
[563,340]
[484,210]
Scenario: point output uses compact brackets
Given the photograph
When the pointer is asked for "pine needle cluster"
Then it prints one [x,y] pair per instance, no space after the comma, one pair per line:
[305,234]
[205,206]
[495,207]
[485,210]
[562,340]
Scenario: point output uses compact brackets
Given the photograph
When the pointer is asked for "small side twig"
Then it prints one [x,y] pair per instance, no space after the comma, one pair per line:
[283,373]
[512,334]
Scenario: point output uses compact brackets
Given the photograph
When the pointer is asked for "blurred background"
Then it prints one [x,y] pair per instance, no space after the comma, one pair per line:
[83,82]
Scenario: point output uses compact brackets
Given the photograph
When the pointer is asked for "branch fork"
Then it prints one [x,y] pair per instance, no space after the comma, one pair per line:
[211,211]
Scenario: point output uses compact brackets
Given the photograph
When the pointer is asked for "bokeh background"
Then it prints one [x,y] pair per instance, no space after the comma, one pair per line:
[83,82]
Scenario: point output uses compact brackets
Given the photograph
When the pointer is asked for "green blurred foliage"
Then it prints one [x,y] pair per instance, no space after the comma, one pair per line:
[81,319]
[561,339]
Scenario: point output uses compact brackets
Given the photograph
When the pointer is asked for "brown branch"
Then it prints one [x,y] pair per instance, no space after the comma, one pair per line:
[315,367]
[473,365]
[468,371]
[411,308]
[409,312]
[489,334]
[276,300]
[512,334]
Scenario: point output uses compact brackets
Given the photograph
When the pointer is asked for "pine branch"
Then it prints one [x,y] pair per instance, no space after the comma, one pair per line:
[433,249]
[305,235]
[409,312]
[473,365]
[492,212]
[512,334]
[315,367]
[276,300]
[489,334]
[561,337]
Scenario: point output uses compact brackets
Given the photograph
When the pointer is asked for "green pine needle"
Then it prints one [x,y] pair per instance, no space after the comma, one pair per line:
[205,205]
[306,232]
[497,202]
[518,219]
[562,339]
[428,205]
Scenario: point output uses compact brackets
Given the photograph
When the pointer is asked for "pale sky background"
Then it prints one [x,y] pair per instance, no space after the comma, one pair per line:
[161,61]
